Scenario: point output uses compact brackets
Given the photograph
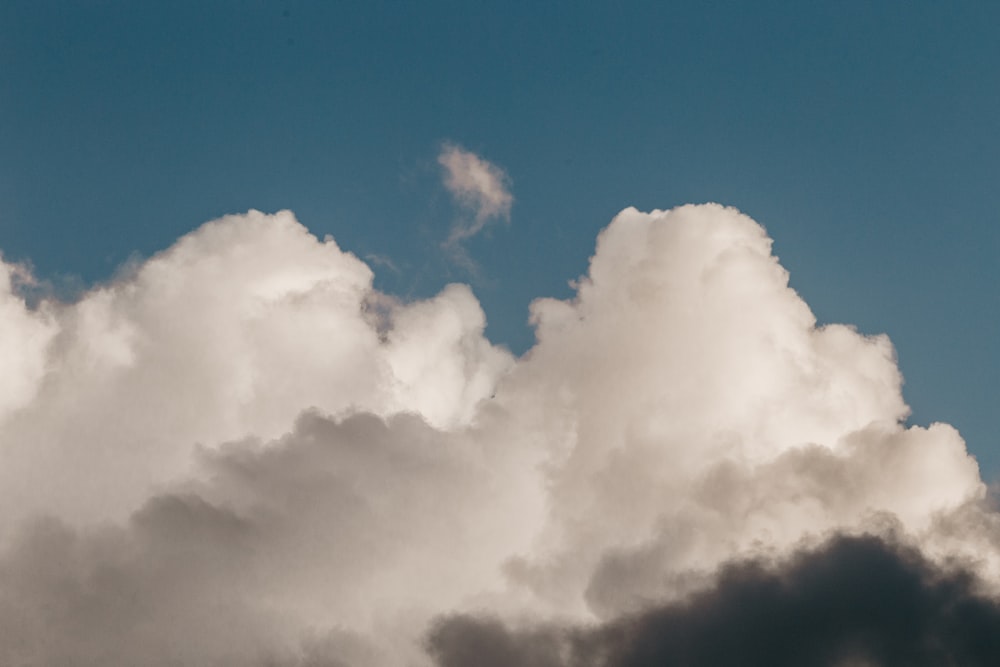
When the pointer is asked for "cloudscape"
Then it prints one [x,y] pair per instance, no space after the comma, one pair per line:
[240,452]
[493,334]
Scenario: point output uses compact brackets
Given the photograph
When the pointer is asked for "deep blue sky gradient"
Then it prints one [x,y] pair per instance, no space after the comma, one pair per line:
[865,136]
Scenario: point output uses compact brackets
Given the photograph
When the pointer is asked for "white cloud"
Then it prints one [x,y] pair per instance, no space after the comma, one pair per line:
[478,186]
[253,457]
[232,332]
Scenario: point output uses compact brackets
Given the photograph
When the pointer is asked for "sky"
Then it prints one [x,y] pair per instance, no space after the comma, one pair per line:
[302,302]
[862,135]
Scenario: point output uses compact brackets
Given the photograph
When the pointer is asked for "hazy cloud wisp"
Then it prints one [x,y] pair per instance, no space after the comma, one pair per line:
[478,186]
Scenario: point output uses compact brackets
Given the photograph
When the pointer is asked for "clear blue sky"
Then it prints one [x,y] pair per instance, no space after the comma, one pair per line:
[864,135]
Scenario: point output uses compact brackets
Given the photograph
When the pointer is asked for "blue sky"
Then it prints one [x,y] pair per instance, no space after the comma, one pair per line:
[864,136]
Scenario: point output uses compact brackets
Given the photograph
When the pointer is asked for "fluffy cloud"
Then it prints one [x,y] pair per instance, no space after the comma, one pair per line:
[232,332]
[695,411]
[239,452]
[477,185]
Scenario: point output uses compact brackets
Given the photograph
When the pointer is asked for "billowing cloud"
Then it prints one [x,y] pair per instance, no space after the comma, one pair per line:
[232,332]
[478,186]
[240,452]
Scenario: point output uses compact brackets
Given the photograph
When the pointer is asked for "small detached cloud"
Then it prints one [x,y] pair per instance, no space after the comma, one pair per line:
[478,186]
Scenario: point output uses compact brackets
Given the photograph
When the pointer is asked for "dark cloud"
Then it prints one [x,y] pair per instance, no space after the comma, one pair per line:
[854,601]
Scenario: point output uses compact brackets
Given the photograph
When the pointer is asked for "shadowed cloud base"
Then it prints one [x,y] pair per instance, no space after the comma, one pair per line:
[855,601]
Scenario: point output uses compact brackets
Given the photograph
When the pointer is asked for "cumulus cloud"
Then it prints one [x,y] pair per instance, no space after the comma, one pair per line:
[480,187]
[240,452]
[232,332]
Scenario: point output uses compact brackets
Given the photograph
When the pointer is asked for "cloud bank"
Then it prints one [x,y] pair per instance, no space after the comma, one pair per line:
[240,452]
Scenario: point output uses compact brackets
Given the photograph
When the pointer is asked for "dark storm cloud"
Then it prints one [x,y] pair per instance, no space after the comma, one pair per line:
[854,601]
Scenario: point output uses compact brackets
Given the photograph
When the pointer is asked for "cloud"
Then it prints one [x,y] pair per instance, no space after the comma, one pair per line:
[239,452]
[853,601]
[695,411]
[23,338]
[232,332]
[305,548]
[478,186]
[382,261]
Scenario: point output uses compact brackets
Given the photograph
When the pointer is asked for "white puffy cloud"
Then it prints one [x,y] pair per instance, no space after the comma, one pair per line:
[477,185]
[694,408]
[232,332]
[250,456]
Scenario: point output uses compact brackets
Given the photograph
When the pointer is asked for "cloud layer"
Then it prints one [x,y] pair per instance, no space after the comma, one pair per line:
[239,452]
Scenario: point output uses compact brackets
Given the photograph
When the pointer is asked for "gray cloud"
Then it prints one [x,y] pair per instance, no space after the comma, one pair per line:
[852,601]
[335,542]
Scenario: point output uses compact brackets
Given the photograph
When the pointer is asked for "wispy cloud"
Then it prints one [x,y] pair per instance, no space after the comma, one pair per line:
[383,261]
[479,187]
